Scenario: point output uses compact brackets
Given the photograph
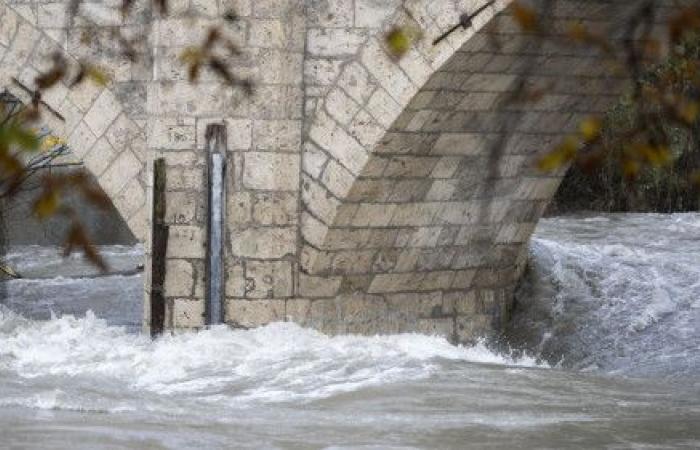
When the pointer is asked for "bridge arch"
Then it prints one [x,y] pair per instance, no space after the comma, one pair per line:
[422,180]
[364,193]
[98,128]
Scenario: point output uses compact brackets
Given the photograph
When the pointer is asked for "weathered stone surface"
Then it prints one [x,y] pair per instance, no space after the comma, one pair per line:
[253,313]
[365,193]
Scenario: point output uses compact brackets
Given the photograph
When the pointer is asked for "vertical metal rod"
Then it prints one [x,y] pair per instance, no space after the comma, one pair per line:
[216,146]
[159,247]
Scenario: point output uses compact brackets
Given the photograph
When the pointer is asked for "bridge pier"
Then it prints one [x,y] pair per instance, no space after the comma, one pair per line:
[364,193]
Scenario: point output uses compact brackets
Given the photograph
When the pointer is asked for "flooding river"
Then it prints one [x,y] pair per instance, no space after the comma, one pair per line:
[604,353]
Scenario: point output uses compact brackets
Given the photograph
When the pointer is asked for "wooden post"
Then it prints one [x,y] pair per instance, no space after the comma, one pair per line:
[216,147]
[159,247]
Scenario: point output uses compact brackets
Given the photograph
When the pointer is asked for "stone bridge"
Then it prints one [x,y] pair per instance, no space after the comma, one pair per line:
[364,193]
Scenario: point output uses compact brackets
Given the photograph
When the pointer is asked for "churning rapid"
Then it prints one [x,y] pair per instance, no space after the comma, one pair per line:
[605,338]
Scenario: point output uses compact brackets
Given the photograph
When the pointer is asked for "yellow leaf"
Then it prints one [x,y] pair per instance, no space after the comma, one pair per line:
[51,142]
[97,75]
[689,111]
[656,155]
[526,17]
[630,168]
[46,205]
[191,55]
[561,155]
[577,32]
[399,41]
[590,128]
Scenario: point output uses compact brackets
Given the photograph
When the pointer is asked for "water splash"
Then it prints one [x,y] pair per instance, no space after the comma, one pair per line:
[276,363]
[617,293]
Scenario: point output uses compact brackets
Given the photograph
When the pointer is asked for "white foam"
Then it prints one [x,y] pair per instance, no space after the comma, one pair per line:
[278,362]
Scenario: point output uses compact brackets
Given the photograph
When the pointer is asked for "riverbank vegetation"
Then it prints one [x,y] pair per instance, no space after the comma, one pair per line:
[671,180]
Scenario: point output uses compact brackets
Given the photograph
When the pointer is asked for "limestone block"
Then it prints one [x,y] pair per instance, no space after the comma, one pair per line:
[268,279]
[467,144]
[181,98]
[463,279]
[181,32]
[356,82]
[239,207]
[376,215]
[337,142]
[383,107]
[181,207]
[253,313]
[335,42]
[417,214]
[298,311]
[275,208]
[103,112]
[337,179]
[124,133]
[288,102]
[277,135]
[122,171]
[318,200]
[470,328]
[313,160]
[207,8]
[362,309]
[241,7]
[442,190]
[372,13]
[464,302]
[330,14]
[418,305]
[99,157]
[340,106]
[23,43]
[321,71]
[410,190]
[419,237]
[235,281]
[409,166]
[387,73]
[366,129]
[353,262]
[345,214]
[186,241]
[325,316]
[274,66]
[435,258]
[181,178]
[264,243]
[416,66]
[437,327]
[316,287]
[81,140]
[171,133]
[188,313]
[313,230]
[10,21]
[130,200]
[271,171]
[139,222]
[267,33]
[179,276]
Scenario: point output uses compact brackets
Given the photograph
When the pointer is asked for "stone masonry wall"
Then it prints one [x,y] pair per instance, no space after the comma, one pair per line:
[365,194]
